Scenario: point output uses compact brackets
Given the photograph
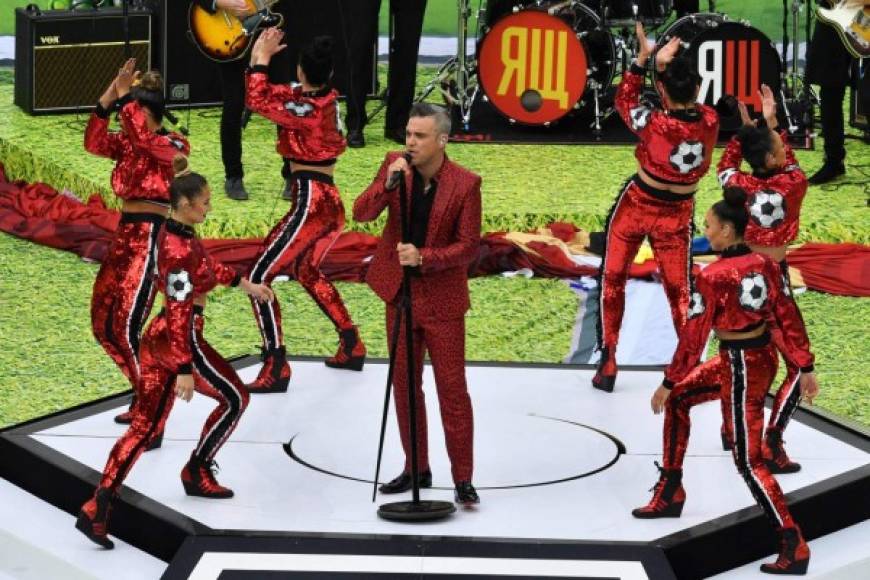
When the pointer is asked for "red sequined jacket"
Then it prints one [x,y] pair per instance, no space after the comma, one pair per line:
[452,240]
[674,147]
[185,271]
[737,293]
[773,200]
[309,123]
[143,158]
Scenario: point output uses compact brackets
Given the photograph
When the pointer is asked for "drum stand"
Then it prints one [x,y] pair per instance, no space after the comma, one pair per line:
[457,78]
[796,94]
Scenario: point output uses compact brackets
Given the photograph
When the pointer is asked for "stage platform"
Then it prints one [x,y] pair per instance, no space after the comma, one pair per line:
[558,465]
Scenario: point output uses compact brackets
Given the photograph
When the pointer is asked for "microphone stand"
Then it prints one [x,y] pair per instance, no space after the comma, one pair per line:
[125,13]
[414,510]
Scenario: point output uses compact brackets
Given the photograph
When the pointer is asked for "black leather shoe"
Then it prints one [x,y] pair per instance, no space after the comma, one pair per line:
[828,172]
[403,483]
[466,494]
[397,135]
[356,139]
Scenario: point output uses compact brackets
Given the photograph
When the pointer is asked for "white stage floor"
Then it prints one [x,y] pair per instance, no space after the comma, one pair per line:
[528,430]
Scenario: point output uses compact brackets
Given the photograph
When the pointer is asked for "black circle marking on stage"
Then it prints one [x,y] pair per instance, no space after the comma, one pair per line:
[620,450]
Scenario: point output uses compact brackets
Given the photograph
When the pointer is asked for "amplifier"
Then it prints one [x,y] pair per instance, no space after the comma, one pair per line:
[859,103]
[65,59]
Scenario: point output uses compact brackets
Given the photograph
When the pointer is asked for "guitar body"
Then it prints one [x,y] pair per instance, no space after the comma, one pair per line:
[852,25]
[222,36]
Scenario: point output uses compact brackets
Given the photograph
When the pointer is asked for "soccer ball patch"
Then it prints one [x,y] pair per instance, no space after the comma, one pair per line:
[299,109]
[687,156]
[753,292]
[767,209]
[178,285]
[696,305]
[639,117]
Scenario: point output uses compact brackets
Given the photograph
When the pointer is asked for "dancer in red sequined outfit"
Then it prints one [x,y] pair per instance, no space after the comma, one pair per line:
[445,216]
[143,151]
[176,359]
[308,119]
[673,153]
[734,296]
[776,189]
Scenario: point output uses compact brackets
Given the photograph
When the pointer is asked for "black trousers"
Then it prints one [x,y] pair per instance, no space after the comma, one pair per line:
[360,24]
[404,48]
[829,66]
[233,92]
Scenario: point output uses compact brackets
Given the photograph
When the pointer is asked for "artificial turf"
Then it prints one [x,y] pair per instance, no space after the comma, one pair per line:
[49,361]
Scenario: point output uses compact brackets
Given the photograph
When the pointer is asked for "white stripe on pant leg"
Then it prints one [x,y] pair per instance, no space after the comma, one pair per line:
[270,265]
[790,389]
[145,273]
[607,233]
[235,391]
[747,464]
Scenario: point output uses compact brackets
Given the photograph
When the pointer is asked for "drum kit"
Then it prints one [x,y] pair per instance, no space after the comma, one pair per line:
[538,62]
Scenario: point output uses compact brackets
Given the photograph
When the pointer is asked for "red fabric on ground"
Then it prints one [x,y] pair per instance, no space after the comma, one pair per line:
[37,212]
[842,269]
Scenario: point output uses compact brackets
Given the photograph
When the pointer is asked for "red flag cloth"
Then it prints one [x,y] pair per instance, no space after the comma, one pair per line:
[842,269]
[37,212]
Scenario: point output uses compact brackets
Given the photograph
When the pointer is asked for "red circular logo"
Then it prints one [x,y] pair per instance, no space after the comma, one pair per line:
[532,67]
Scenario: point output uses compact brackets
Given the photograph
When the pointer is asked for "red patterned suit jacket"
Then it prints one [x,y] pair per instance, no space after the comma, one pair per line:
[452,239]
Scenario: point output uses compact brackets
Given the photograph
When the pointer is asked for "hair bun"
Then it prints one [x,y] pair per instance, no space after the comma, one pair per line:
[180,165]
[151,81]
[735,196]
[323,46]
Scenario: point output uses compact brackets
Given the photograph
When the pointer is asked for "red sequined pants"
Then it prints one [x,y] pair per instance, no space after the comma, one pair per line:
[124,290]
[212,377]
[787,397]
[301,239]
[445,342]
[666,219]
[740,376]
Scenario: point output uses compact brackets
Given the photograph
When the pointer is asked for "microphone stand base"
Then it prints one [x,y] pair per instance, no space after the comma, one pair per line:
[422,511]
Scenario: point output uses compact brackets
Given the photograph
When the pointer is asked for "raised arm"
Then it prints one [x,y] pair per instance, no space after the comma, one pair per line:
[163,148]
[369,205]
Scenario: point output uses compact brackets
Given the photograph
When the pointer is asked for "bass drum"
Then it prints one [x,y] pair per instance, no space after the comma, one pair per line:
[542,62]
[732,58]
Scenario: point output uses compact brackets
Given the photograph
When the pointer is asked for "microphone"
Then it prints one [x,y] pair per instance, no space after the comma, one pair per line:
[396,176]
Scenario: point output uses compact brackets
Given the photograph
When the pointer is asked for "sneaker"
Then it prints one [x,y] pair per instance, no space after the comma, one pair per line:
[234,187]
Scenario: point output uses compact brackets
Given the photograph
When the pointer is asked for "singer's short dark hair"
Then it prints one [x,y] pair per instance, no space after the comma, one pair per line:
[442,118]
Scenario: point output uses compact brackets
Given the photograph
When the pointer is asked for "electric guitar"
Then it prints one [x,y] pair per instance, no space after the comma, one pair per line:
[224,37]
[851,20]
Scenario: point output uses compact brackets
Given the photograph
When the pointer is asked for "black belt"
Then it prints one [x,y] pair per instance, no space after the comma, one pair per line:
[306,175]
[134,217]
[746,343]
[662,194]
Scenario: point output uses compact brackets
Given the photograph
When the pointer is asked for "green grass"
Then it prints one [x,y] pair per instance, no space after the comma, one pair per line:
[441,15]
[49,361]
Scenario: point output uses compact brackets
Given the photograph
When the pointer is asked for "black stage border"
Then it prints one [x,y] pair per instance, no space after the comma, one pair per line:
[651,557]
[697,552]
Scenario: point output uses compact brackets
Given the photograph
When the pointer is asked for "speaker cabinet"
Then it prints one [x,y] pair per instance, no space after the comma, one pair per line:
[65,59]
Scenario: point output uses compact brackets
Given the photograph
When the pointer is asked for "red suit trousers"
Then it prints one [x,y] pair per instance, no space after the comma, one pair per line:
[445,342]
[212,376]
[740,376]
[300,240]
[667,220]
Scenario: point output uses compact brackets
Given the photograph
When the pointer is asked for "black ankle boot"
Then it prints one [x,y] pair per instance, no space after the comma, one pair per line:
[93,520]
[275,374]
[466,494]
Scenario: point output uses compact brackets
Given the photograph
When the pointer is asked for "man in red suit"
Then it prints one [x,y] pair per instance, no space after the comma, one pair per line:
[444,202]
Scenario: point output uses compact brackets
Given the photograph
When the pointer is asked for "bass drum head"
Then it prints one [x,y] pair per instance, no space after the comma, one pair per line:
[533,68]
[732,58]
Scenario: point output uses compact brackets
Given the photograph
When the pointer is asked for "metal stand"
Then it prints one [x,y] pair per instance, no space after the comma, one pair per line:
[457,78]
[414,510]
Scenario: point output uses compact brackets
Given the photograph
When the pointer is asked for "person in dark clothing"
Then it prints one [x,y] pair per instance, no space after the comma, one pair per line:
[829,65]
[361,29]
[232,75]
